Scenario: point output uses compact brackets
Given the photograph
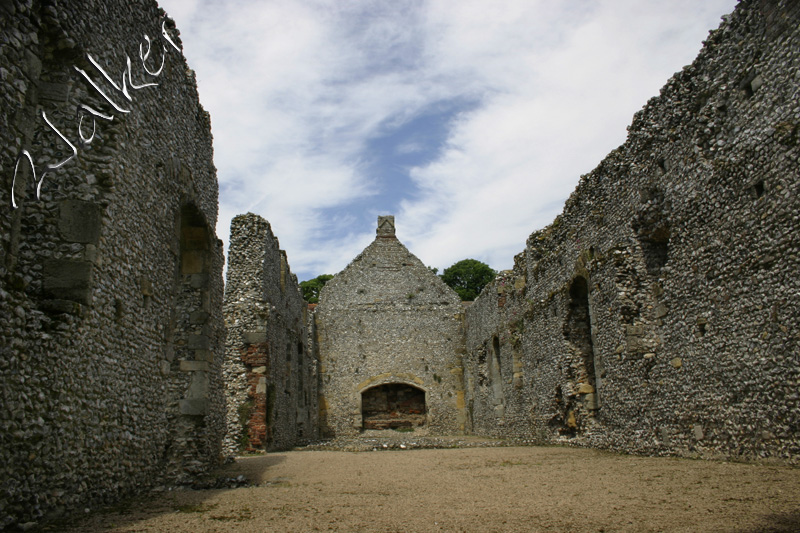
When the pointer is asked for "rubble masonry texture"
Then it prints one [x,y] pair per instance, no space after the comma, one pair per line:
[660,312]
[270,369]
[111,328]
[657,314]
[388,319]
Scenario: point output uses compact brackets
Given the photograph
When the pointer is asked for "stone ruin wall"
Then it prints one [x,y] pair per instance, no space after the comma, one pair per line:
[270,368]
[110,284]
[660,312]
[387,319]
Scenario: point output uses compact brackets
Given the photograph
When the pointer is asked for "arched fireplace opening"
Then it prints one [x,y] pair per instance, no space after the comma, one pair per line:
[393,406]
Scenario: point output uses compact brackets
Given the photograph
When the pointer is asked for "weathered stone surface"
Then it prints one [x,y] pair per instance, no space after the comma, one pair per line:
[668,284]
[387,325]
[685,238]
[61,306]
[270,367]
[198,342]
[79,221]
[698,431]
[94,313]
[67,279]
[195,366]
[192,262]
[199,384]
[58,92]
[254,337]
[205,355]
[146,286]
[194,407]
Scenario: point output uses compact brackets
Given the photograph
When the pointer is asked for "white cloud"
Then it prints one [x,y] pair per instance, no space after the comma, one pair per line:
[543,124]
[296,90]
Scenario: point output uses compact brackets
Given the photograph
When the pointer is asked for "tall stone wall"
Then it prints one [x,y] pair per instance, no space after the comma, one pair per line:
[110,279]
[389,325]
[270,369]
[660,312]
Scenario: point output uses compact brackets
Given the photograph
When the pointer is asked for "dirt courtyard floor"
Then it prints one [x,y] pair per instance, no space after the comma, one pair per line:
[472,489]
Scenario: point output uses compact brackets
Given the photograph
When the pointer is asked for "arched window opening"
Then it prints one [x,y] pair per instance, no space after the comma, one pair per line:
[578,332]
[194,241]
[652,228]
[393,406]
[496,377]
[301,371]
[188,338]
[496,352]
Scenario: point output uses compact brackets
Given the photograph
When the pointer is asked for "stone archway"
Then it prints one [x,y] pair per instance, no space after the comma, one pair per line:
[393,406]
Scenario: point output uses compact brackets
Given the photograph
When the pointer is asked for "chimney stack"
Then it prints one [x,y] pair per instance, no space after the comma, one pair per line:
[385,226]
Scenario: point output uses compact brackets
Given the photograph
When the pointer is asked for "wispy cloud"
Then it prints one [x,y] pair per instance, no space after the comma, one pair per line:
[471,121]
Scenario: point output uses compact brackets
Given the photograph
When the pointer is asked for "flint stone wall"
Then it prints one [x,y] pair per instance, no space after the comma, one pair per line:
[388,319]
[110,285]
[660,312]
[270,369]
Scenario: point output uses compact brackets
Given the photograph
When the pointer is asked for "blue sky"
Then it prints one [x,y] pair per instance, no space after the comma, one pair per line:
[470,121]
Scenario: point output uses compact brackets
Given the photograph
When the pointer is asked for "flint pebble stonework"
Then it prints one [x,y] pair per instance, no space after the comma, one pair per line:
[657,314]
[270,369]
[390,339]
[111,328]
[660,312]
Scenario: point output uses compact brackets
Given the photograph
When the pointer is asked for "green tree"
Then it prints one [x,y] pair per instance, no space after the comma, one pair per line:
[312,287]
[468,277]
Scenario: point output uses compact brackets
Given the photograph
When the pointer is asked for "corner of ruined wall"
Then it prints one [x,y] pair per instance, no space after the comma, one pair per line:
[270,371]
[659,309]
[493,369]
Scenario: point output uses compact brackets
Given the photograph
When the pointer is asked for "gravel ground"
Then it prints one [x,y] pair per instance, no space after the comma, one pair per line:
[476,485]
